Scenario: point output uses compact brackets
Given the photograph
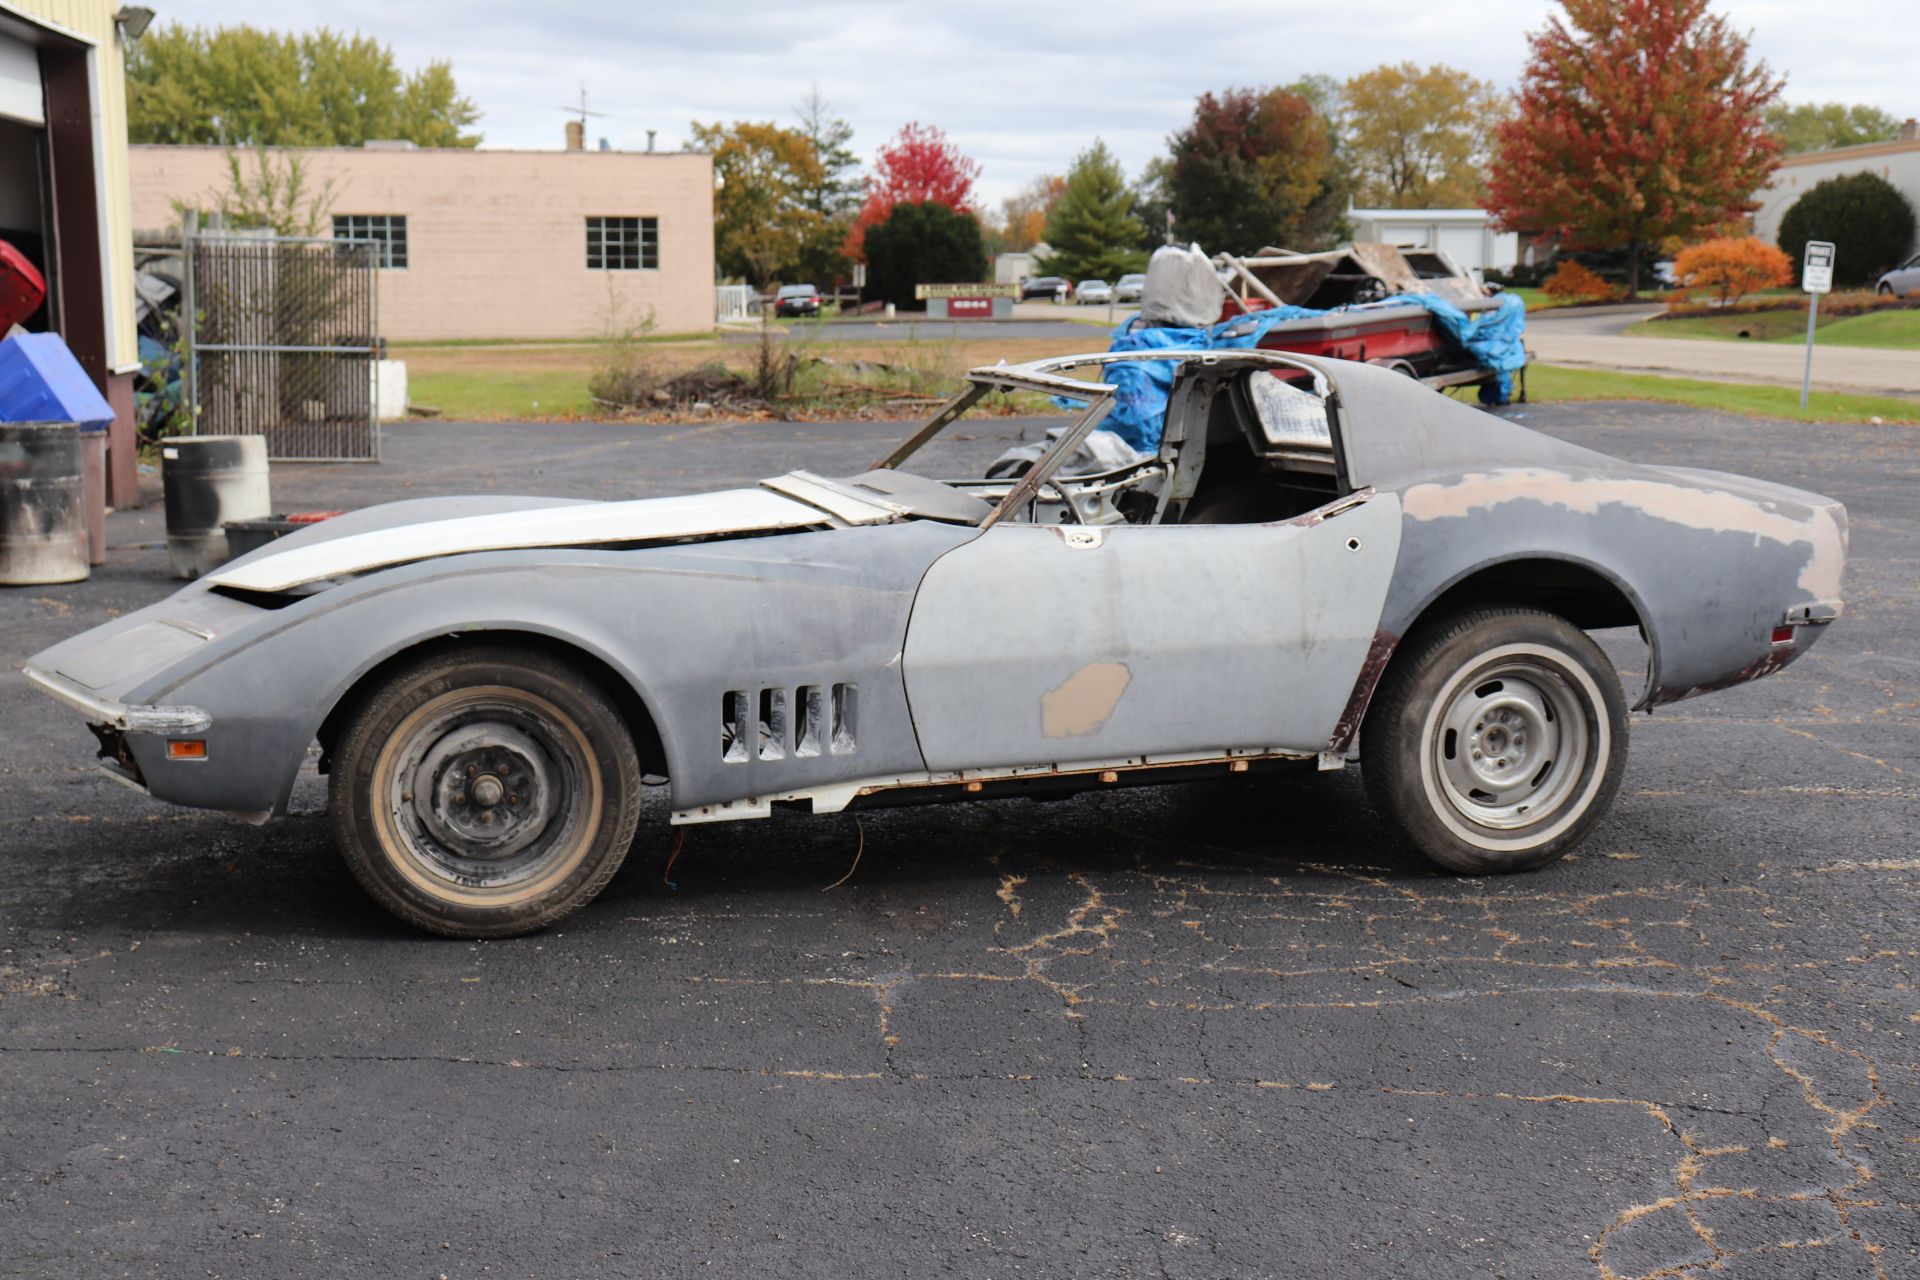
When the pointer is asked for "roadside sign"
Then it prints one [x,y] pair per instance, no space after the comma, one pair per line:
[1816,269]
[1816,277]
[926,291]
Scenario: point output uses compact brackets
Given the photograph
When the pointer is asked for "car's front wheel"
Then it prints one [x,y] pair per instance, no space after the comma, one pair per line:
[485,792]
[1885,290]
[1496,740]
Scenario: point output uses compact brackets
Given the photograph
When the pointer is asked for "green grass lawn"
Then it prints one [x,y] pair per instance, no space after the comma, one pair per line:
[465,395]
[1547,383]
[1893,329]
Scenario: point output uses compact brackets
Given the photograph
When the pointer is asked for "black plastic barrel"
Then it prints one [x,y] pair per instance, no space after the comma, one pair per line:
[42,505]
[208,481]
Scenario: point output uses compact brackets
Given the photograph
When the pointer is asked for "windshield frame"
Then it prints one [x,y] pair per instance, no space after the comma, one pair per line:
[1048,376]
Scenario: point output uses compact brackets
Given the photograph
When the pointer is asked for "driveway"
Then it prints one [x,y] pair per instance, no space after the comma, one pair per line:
[1204,1031]
[1593,338]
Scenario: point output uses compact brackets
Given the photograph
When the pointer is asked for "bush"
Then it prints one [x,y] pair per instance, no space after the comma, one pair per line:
[1524,275]
[1869,222]
[922,244]
[1571,282]
[624,372]
[1732,267]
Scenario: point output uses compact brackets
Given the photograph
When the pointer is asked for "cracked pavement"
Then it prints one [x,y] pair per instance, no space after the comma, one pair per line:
[1206,1030]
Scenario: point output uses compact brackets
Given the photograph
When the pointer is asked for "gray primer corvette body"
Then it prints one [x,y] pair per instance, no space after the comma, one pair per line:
[946,651]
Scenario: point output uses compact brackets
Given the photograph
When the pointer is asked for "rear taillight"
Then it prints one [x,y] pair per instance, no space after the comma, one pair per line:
[1782,636]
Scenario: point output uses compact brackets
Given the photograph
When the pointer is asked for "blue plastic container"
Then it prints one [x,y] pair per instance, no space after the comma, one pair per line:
[40,381]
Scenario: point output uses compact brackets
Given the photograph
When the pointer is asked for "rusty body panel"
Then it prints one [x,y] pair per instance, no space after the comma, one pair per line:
[830,641]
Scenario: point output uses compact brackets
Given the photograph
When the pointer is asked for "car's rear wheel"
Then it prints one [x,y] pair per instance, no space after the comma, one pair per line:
[485,792]
[1496,740]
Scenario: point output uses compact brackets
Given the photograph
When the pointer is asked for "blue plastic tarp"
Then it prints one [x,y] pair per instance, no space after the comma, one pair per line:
[1142,387]
[1493,338]
[40,381]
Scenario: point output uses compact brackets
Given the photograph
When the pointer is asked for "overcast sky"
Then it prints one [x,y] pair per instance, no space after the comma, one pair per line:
[1020,86]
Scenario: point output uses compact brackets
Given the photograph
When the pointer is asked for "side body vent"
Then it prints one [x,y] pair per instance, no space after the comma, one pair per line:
[775,723]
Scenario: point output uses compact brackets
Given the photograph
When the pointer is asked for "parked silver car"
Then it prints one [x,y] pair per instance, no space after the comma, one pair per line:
[1903,281]
[1320,560]
[1128,288]
[1088,292]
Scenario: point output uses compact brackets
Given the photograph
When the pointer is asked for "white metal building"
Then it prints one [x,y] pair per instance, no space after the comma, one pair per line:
[1898,162]
[1465,235]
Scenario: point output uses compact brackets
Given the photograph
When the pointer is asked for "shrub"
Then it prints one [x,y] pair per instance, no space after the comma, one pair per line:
[624,372]
[922,244]
[1571,282]
[1732,267]
[1870,223]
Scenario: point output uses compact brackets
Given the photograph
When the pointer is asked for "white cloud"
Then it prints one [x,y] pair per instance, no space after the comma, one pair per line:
[1020,87]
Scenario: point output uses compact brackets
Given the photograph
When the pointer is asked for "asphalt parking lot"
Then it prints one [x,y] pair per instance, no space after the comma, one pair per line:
[1201,1031]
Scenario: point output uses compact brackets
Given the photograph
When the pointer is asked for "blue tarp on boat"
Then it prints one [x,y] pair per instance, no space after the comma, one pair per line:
[1141,388]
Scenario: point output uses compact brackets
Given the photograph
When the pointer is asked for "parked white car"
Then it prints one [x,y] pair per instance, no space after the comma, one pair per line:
[1128,288]
[1090,291]
[1903,281]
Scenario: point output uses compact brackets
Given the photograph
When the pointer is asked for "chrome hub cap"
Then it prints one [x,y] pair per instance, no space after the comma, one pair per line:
[1510,743]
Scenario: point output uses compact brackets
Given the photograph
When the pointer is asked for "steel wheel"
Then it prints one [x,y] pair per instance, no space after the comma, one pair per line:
[485,792]
[1507,742]
[487,789]
[1496,739]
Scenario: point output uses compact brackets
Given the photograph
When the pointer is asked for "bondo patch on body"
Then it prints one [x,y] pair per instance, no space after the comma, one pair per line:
[1085,701]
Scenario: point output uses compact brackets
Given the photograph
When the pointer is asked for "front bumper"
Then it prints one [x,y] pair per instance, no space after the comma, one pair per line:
[126,717]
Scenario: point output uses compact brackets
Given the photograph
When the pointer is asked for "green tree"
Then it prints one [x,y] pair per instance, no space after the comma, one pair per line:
[1152,201]
[1869,221]
[1817,126]
[922,243]
[1256,168]
[241,86]
[762,176]
[833,193]
[1417,139]
[275,192]
[1092,231]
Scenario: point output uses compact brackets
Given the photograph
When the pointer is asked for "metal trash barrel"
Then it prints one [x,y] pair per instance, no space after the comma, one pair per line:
[42,505]
[209,480]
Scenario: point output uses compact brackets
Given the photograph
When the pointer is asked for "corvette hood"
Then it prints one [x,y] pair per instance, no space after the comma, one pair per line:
[516,524]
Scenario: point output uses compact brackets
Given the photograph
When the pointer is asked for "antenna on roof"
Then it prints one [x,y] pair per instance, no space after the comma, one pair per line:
[581,110]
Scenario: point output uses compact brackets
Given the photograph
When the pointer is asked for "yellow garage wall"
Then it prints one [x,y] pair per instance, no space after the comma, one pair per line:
[92,21]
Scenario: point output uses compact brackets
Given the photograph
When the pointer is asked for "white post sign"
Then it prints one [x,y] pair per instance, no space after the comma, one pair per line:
[1816,278]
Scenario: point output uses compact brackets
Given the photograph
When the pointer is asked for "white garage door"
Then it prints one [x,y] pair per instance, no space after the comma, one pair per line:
[1405,234]
[20,94]
[1466,245]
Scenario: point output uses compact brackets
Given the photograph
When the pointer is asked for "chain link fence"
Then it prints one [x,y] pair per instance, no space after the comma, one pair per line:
[285,333]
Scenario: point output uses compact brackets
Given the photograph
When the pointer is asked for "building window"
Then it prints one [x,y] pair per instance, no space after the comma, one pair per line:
[390,229]
[623,244]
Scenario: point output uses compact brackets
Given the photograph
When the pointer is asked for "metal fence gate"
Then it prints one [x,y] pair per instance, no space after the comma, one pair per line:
[284,335]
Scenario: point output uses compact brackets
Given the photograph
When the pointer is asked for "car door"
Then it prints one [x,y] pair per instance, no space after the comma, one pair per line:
[1044,644]
[1907,279]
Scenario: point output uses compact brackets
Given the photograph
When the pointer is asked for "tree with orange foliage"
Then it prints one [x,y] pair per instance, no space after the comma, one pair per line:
[1025,213]
[918,166]
[1735,266]
[1635,120]
[1571,282]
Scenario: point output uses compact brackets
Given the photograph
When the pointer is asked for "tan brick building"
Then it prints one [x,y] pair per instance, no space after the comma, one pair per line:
[495,244]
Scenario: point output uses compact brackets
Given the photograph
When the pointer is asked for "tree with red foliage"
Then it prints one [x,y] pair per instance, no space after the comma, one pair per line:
[918,166]
[1636,120]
